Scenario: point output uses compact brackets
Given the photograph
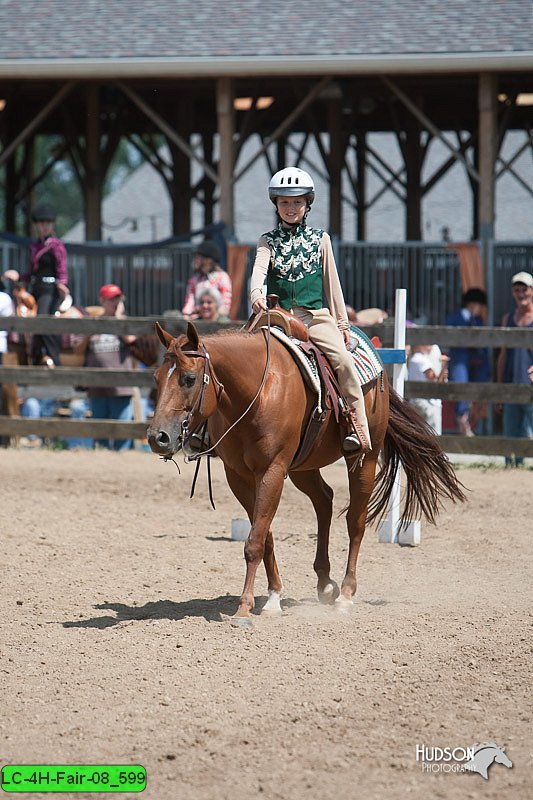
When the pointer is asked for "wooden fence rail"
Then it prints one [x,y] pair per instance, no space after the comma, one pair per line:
[87,376]
[424,334]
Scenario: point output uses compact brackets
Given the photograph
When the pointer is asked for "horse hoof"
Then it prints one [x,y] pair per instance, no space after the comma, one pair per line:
[344,604]
[329,593]
[272,606]
[237,622]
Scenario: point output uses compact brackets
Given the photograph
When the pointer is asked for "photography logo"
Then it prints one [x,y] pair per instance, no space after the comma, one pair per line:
[476,758]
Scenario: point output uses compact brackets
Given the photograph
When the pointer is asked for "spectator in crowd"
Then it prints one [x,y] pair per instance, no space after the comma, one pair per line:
[427,363]
[36,408]
[468,364]
[207,272]
[109,351]
[515,365]
[46,280]
[366,317]
[6,310]
[209,304]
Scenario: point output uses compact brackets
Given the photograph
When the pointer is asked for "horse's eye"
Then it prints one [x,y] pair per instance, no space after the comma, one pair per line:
[156,375]
[188,380]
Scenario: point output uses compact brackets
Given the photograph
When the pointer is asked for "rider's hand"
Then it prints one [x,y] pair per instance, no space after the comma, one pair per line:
[259,305]
[346,337]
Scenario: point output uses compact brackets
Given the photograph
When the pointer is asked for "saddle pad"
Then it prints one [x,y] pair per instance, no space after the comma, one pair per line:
[367,362]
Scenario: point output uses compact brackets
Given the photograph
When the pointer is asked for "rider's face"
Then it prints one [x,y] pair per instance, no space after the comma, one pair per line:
[291,209]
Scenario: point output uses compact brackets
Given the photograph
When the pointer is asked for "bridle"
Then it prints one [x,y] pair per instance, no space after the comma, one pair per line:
[209,376]
[205,381]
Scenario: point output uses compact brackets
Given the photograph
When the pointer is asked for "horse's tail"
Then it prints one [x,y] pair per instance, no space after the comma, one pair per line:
[411,442]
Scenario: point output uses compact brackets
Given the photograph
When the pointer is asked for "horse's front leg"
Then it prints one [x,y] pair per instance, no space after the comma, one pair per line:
[361,481]
[268,488]
[244,490]
[320,493]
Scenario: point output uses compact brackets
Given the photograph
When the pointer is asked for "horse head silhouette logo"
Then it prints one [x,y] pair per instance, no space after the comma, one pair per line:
[486,754]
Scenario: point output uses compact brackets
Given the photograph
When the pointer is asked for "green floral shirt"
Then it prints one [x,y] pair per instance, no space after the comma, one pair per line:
[295,271]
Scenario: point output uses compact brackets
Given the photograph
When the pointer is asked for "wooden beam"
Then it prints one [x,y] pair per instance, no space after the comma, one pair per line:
[226,130]
[494,392]
[424,119]
[76,376]
[90,428]
[36,121]
[335,162]
[121,327]
[361,160]
[488,134]
[93,177]
[165,128]
[483,336]
[413,166]
[487,446]
[285,125]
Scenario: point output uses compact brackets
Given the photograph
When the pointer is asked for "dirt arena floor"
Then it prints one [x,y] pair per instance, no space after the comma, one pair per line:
[113,650]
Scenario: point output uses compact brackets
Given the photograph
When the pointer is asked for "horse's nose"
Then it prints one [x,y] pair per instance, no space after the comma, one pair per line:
[159,441]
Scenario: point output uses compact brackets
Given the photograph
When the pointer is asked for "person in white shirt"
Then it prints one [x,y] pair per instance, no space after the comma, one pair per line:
[426,363]
[6,310]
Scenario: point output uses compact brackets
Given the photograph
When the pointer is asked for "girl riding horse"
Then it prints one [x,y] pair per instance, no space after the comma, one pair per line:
[298,264]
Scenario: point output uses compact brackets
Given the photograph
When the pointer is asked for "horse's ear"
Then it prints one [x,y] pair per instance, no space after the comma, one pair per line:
[164,337]
[192,336]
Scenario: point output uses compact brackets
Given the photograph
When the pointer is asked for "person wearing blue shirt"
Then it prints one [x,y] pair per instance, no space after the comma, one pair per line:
[468,364]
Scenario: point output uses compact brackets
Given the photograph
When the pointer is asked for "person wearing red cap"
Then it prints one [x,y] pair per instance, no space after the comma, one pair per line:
[109,351]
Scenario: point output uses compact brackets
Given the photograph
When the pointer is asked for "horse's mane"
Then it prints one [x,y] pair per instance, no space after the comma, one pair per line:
[223,332]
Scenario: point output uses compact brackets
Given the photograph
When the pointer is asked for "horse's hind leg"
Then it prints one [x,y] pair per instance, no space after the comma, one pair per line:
[361,481]
[244,491]
[315,487]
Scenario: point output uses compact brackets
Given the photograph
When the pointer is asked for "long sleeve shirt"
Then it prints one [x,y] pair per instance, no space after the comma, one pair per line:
[330,278]
[48,258]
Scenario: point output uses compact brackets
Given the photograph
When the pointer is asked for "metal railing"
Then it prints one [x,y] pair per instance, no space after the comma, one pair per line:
[155,280]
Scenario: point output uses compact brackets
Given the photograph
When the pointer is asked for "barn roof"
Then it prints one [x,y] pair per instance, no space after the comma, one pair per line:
[110,38]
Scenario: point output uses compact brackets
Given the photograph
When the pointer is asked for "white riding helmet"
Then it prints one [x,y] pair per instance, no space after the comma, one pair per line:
[291,182]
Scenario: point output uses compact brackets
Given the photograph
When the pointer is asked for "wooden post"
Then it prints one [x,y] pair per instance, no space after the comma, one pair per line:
[181,183]
[361,185]
[413,222]
[488,133]
[209,186]
[10,191]
[29,170]
[336,158]
[93,177]
[226,129]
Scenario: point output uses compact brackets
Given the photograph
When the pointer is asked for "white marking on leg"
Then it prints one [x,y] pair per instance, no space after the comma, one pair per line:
[273,604]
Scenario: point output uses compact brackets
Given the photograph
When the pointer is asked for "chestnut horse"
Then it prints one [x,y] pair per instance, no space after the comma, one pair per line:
[250,391]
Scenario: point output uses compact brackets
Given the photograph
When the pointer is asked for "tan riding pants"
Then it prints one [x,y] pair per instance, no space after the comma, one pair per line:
[324,333]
